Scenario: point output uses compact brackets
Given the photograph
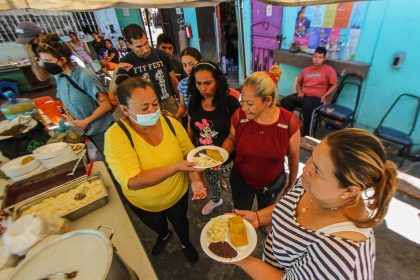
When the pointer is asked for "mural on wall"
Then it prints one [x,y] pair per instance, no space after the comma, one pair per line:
[266,34]
[334,26]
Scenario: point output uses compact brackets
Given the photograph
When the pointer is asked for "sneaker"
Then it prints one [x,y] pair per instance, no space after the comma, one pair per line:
[190,253]
[210,206]
[160,244]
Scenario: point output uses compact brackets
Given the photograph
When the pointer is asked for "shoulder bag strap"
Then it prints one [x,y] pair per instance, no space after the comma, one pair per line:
[171,126]
[76,86]
[124,128]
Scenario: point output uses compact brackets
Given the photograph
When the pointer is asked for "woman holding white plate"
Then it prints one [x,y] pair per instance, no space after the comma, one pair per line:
[322,228]
[210,108]
[146,152]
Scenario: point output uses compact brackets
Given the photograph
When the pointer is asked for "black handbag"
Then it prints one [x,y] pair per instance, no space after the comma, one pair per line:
[276,186]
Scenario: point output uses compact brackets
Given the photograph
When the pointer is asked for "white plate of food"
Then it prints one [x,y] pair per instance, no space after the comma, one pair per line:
[207,156]
[38,170]
[228,238]
[16,126]
[77,148]
[20,166]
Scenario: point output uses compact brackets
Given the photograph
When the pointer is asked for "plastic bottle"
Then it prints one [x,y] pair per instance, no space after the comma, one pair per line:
[16,107]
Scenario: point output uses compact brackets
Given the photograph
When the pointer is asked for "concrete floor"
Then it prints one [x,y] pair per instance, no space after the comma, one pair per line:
[397,257]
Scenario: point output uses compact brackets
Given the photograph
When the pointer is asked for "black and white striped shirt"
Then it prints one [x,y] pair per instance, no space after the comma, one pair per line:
[307,254]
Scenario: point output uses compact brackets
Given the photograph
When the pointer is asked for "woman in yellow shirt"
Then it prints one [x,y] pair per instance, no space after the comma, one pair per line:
[146,153]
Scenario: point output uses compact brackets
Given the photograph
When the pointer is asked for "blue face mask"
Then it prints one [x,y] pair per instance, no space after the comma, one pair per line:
[147,119]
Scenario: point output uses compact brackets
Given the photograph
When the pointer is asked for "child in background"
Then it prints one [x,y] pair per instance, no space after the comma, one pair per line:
[189,58]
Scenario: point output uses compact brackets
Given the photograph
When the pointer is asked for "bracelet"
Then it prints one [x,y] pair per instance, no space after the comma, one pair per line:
[258,219]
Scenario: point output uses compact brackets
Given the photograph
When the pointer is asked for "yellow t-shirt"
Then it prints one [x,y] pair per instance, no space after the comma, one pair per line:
[125,164]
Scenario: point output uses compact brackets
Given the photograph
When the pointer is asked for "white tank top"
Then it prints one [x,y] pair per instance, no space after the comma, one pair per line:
[345,226]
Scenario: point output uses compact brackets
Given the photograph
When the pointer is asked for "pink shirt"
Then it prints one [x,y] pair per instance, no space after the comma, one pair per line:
[316,81]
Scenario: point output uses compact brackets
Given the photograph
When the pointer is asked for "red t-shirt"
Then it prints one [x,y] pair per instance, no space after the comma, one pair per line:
[316,81]
[260,149]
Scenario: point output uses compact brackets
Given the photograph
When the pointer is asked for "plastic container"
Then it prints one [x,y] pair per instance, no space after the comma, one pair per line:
[16,107]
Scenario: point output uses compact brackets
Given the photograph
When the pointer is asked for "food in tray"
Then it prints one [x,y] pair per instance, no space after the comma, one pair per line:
[26,160]
[64,203]
[237,231]
[218,230]
[223,249]
[214,154]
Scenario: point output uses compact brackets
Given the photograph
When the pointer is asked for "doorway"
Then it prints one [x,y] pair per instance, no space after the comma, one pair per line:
[229,41]
[207,33]
[152,24]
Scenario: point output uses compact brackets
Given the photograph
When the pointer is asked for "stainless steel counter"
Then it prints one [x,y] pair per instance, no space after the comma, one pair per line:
[125,239]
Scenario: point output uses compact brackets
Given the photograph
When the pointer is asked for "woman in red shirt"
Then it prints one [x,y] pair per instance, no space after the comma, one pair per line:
[262,134]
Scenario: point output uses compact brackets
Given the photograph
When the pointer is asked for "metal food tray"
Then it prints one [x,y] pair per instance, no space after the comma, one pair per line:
[75,213]
[18,192]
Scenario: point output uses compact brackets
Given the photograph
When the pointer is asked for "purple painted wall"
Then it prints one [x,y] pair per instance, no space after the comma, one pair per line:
[266,29]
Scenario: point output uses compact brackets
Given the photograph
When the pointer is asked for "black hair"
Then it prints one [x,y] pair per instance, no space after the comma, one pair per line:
[133,32]
[192,52]
[221,94]
[72,33]
[121,38]
[321,50]
[164,39]
[127,85]
[53,45]
[107,40]
[93,32]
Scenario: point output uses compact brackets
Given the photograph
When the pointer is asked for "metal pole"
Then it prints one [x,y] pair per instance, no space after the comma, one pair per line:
[241,45]
[148,26]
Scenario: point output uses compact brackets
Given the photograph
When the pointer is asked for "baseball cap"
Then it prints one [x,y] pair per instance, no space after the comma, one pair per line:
[26,31]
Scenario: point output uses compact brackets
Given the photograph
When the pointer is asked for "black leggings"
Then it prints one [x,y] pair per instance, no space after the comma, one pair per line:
[309,104]
[243,195]
[176,214]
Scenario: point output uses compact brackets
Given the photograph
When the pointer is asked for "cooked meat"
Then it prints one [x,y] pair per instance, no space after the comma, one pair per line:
[223,249]
[14,130]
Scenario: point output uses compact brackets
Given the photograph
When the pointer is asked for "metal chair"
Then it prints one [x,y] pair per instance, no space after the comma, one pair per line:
[9,84]
[338,116]
[397,136]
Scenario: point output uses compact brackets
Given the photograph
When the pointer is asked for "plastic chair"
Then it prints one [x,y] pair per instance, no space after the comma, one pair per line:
[41,100]
[9,84]
[397,136]
[234,93]
[51,110]
[50,107]
[339,116]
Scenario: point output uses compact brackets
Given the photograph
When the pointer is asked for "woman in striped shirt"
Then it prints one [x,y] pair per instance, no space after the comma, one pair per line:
[322,228]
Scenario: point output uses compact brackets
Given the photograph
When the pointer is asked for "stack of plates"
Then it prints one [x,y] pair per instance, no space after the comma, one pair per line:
[55,154]
[22,167]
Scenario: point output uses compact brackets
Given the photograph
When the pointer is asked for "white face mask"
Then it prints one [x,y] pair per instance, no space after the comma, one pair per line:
[147,119]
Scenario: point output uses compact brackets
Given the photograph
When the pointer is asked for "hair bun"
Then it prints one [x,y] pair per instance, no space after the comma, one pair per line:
[52,39]
[121,78]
